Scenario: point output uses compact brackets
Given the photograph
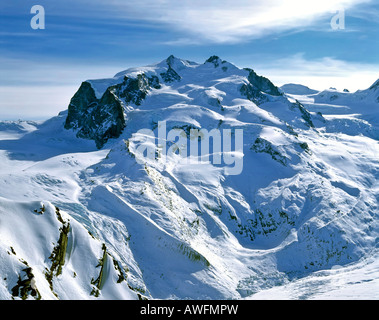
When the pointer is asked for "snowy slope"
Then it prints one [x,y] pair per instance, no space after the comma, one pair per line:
[298,89]
[37,240]
[348,112]
[359,280]
[171,227]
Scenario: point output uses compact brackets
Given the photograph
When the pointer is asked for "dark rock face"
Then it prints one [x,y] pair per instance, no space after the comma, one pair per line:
[96,119]
[262,145]
[103,119]
[170,75]
[375,85]
[215,60]
[134,90]
[257,87]
[263,84]
[82,100]
[304,114]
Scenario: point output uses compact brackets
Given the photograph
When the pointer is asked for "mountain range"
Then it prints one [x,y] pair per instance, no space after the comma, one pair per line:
[85,215]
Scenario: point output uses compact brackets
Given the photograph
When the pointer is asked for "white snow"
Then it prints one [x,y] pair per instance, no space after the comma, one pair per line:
[300,222]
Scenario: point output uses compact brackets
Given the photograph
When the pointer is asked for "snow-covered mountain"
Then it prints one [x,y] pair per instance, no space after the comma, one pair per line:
[85,215]
[298,89]
[348,112]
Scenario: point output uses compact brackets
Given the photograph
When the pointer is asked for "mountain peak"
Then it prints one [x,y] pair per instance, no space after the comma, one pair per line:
[297,89]
[215,60]
[375,85]
[176,63]
[195,162]
[97,109]
[171,60]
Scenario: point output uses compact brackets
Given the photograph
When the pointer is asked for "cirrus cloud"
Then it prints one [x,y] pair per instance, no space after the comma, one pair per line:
[231,21]
[320,73]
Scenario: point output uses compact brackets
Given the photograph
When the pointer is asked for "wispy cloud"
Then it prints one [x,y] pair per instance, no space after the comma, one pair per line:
[41,70]
[37,89]
[34,102]
[23,71]
[320,73]
[224,21]
[218,21]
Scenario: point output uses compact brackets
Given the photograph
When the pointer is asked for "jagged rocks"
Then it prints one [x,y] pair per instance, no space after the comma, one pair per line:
[135,90]
[103,119]
[215,60]
[95,119]
[263,146]
[98,110]
[262,84]
[170,75]
[304,114]
[26,285]
[258,87]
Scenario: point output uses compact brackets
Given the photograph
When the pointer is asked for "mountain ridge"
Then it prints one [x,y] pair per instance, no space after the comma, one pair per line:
[120,225]
[96,100]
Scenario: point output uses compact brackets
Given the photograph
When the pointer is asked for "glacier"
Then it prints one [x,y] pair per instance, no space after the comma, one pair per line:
[82,216]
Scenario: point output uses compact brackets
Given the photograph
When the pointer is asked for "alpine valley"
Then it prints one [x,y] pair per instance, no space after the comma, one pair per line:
[84,216]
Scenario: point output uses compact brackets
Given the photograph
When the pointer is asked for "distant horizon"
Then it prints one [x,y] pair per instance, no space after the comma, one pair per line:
[65,93]
[68,93]
[46,54]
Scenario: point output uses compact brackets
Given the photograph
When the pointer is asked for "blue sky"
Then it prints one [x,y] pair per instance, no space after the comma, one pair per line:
[286,41]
